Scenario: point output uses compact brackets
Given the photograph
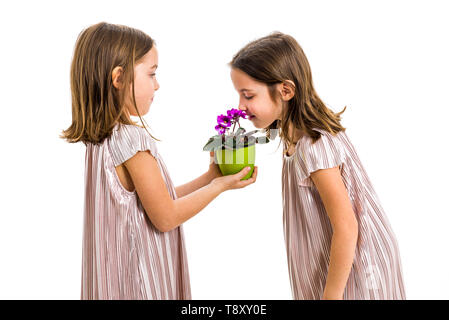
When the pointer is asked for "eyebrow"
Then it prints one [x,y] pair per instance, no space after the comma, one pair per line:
[241,90]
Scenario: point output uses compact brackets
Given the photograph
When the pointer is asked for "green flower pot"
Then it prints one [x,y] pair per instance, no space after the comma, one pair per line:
[233,161]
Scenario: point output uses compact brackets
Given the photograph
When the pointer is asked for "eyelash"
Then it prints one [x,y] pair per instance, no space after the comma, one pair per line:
[249,98]
[152,74]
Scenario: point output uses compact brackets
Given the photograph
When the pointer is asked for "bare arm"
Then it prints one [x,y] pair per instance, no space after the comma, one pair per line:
[201,181]
[345,229]
[194,185]
[164,212]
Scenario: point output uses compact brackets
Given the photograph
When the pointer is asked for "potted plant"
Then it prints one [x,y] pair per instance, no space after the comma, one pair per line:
[234,150]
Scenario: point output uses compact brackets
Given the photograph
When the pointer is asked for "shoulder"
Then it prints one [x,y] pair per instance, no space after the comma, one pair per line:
[327,152]
[123,131]
[126,140]
[326,142]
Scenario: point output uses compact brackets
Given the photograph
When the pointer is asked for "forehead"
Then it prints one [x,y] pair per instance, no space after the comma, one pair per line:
[150,58]
[243,82]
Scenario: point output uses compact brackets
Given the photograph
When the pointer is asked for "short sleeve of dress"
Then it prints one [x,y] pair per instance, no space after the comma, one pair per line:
[127,140]
[326,152]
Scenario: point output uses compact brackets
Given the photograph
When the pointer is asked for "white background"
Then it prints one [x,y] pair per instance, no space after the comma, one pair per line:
[387,61]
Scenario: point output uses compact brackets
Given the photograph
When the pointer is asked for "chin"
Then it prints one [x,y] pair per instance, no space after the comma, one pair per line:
[146,111]
[258,125]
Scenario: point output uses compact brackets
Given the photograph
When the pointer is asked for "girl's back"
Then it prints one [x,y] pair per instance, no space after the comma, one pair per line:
[124,255]
[376,272]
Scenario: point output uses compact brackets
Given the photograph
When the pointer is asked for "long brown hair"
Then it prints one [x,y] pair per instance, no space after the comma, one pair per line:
[274,59]
[97,106]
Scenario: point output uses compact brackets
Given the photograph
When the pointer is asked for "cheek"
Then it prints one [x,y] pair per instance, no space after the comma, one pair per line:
[263,107]
[266,111]
[144,89]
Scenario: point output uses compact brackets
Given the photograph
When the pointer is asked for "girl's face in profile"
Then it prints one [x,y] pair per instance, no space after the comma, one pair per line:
[145,83]
[255,99]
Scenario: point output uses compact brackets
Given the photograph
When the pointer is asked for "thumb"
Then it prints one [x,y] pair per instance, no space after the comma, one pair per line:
[243,172]
[212,157]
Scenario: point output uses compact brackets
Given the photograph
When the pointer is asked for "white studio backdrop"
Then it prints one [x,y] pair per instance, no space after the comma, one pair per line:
[385,60]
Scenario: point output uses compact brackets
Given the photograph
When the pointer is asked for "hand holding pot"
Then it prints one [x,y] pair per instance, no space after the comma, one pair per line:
[234,181]
[214,169]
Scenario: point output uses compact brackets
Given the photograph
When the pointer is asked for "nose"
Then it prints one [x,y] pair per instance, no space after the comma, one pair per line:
[242,106]
[156,87]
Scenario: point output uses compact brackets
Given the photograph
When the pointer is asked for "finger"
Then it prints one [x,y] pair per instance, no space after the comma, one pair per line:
[245,183]
[243,172]
[249,181]
[255,172]
[254,176]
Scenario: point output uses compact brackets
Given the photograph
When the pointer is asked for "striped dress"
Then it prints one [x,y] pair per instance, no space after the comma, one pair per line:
[376,271]
[124,255]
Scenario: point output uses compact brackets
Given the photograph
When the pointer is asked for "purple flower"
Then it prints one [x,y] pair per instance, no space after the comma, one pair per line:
[235,114]
[224,121]
[220,129]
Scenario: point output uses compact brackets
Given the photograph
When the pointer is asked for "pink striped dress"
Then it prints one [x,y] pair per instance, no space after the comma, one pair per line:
[376,271]
[124,255]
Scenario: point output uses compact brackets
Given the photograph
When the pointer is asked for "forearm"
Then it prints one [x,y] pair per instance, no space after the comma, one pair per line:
[188,206]
[193,185]
[344,241]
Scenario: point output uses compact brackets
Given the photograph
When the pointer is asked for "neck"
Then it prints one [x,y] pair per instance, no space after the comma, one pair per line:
[294,133]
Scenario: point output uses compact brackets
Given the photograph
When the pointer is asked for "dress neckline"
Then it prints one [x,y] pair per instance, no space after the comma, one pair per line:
[286,156]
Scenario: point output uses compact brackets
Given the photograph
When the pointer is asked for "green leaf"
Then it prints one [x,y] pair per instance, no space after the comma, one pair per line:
[213,143]
[250,133]
[262,140]
[249,141]
[274,133]
[209,141]
[241,141]
[230,142]
[228,147]
[240,131]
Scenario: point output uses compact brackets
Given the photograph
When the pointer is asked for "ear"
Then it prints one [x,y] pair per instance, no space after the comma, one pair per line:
[287,90]
[117,77]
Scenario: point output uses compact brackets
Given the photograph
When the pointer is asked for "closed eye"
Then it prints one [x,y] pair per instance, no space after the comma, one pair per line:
[249,98]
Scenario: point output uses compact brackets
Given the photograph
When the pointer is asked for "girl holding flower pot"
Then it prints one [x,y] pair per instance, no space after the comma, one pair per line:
[340,244]
[133,241]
